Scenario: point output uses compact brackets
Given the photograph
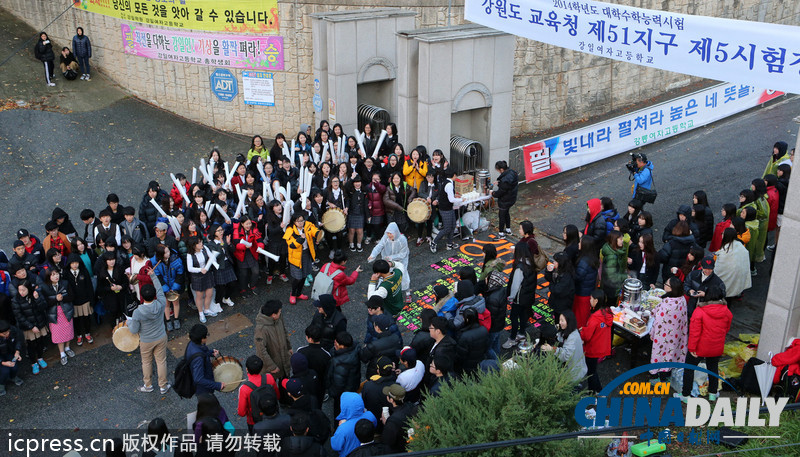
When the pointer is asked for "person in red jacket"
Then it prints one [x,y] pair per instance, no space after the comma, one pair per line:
[175,193]
[790,358]
[340,280]
[708,328]
[247,240]
[596,336]
[772,198]
[254,379]
[728,213]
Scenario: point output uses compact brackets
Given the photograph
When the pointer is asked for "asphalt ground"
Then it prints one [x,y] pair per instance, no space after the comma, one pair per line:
[71,145]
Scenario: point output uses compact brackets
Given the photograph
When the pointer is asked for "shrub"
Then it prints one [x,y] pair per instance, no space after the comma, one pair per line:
[534,400]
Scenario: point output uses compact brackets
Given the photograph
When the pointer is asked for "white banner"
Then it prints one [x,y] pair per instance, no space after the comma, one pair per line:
[624,133]
[744,52]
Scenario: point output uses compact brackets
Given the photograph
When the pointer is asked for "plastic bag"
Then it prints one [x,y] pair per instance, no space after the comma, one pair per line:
[676,379]
[730,368]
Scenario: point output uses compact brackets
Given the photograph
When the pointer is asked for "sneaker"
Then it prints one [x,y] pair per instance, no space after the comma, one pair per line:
[18,381]
[210,313]
[42,363]
[292,300]
[80,341]
[89,339]
[51,84]
[510,343]
[307,283]
[35,368]
[771,247]
[176,324]
[302,297]
[678,395]
[202,318]
[753,272]
[70,352]
[452,246]
[367,240]
[419,242]
[712,397]
[169,326]
[314,267]
[63,360]
[88,78]
[164,390]
[508,231]
[228,301]
[216,308]
[433,247]
[520,338]
[359,248]
[146,389]
[269,280]
[326,398]
[501,235]
[284,278]
[253,290]
[352,247]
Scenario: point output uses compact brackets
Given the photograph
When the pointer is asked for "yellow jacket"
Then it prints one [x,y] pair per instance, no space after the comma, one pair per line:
[413,177]
[295,247]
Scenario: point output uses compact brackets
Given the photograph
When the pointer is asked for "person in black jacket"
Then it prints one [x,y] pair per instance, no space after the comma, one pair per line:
[344,372]
[561,275]
[357,213]
[365,432]
[674,251]
[473,342]
[80,283]
[684,214]
[701,280]
[82,47]
[422,342]
[308,405]
[10,348]
[68,64]
[329,319]
[372,391]
[44,52]
[506,194]
[318,359]
[444,344]
[147,212]
[395,426]
[30,311]
[300,444]
[386,344]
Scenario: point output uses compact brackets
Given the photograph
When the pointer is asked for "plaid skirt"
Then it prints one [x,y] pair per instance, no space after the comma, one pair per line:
[355,221]
[201,282]
[224,276]
[305,266]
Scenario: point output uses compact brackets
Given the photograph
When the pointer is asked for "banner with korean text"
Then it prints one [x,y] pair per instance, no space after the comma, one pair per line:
[596,142]
[742,52]
[264,52]
[260,16]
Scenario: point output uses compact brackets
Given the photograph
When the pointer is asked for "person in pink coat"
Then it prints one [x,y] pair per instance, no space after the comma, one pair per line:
[670,329]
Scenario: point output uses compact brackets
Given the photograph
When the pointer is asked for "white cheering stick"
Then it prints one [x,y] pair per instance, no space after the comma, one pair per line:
[291,157]
[360,142]
[175,227]
[212,259]
[301,180]
[314,156]
[229,174]
[334,157]
[260,168]
[277,189]
[158,208]
[309,178]
[206,206]
[287,211]
[194,175]
[324,151]
[285,149]
[180,188]
[210,210]
[224,214]
[204,171]
[380,143]
[239,207]
[268,254]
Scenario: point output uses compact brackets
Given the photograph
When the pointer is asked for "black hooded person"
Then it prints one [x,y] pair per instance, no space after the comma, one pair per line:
[330,319]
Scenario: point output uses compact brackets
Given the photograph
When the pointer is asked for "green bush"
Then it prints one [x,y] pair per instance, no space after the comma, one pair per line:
[534,400]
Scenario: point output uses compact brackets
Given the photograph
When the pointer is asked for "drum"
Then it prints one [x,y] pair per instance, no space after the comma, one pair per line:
[228,369]
[334,220]
[172,295]
[419,210]
[124,339]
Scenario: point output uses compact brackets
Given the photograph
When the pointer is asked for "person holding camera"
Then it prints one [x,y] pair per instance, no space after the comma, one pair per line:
[641,171]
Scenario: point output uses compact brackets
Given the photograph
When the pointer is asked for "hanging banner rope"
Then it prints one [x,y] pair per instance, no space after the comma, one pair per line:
[743,52]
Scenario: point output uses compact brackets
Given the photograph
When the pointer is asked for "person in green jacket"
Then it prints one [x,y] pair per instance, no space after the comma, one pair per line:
[779,156]
[748,213]
[386,282]
[614,256]
[759,188]
[257,148]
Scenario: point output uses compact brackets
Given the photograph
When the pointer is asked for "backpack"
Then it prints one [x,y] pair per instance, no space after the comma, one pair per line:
[184,382]
[70,74]
[323,282]
[258,392]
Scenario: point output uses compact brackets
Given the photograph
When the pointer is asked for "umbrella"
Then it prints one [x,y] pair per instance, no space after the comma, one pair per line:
[765,374]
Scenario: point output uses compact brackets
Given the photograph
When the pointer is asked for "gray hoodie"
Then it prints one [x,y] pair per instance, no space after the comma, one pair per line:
[148,319]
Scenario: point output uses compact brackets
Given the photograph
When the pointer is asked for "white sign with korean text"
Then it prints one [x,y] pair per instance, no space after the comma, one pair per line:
[258,88]
[633,130]
[743,52]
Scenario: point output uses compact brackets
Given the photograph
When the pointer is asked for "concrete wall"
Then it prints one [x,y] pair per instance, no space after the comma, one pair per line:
[552,86]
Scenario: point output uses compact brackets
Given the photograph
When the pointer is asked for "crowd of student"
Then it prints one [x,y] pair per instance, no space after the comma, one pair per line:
[55,284]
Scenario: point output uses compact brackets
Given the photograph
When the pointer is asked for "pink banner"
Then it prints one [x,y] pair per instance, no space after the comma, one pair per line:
[233,51]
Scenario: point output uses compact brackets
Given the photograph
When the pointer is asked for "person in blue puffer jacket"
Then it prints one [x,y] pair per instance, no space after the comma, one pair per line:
[169,270]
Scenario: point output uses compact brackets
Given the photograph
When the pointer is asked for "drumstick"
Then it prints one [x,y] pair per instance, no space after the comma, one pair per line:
[379,144]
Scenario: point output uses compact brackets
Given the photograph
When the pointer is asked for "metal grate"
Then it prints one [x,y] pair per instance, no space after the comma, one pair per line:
[465,154]
[375,115]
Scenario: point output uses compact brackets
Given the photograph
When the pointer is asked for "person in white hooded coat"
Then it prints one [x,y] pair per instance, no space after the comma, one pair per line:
[732,264]
[394,246]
